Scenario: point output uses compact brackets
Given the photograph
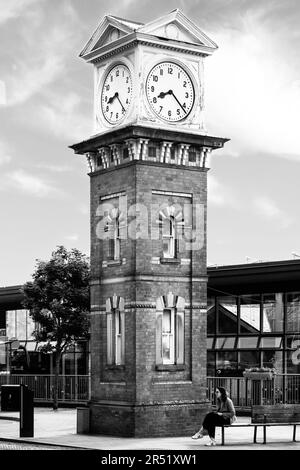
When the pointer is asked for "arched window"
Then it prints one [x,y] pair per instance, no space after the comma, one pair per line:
[170,219]
[170,329]
[113,228]
[115,323]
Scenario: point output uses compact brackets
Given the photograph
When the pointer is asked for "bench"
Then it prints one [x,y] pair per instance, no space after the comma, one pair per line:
[269,415]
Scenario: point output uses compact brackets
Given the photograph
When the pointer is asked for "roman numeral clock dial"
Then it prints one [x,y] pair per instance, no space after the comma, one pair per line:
[116,93]
[170,91]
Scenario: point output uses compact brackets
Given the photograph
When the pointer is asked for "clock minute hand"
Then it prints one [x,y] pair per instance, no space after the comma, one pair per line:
[177,101]
[117,96]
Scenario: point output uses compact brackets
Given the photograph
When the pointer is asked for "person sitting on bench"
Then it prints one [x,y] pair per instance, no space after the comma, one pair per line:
[225,414]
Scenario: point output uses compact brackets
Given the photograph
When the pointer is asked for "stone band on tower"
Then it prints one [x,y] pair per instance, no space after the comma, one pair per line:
[148,162]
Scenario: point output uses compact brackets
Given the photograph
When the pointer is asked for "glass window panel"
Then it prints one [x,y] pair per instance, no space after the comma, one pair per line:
[11,323]
[248,359]
[21,324]
[69,363]
[293,312]
[211,316]
[247,342]
[3,356]
[2,320]
[293,354]
[273,312]
[226,363]
[81,360]
[227,314]
[270,342]
[209,343]
[167,321]
[225,343]
[250,313]
[30,326]
[211,369]
[166,347]
[273,359]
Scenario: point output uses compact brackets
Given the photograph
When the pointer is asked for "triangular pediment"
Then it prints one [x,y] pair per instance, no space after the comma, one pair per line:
[176,26]
[109,30]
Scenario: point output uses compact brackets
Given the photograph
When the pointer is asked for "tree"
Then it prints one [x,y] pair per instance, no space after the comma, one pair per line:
[58,300]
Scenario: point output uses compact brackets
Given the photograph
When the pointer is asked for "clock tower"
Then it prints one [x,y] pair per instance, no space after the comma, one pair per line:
[148,160]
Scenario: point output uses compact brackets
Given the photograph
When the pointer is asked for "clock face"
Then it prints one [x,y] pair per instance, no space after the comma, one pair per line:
[170,91]
[116,93]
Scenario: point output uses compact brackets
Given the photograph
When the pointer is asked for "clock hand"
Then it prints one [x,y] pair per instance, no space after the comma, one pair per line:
[112,98]
[164,93]
[177,100]
[117,96]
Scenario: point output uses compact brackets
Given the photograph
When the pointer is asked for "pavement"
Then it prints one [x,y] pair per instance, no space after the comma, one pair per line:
[58,428]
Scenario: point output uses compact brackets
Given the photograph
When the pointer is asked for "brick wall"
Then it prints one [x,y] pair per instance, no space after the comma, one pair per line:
[138,393]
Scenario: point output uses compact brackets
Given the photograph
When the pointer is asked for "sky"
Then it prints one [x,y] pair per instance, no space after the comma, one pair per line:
[46,104]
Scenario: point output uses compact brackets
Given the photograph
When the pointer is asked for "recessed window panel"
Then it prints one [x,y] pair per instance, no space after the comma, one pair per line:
[227,314]
[273,312]
[273,359]
[249,313]
[211,364]
[226,363]
[225,343]
[271,342]
[248,359]
[247,342]
[209,343]
[211,316]
[293,312]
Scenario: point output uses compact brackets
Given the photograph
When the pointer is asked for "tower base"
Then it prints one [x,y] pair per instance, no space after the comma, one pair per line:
[127,420]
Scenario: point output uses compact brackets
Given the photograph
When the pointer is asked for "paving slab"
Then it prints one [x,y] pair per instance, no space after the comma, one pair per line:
[58,428]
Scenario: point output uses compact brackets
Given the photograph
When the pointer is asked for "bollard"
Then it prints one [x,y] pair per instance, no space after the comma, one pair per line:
[26,412]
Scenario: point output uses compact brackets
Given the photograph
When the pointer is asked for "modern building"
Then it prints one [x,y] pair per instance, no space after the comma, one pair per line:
[253,319]
[19,353]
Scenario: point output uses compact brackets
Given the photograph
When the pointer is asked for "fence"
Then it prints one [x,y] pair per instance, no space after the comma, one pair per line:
[244,392]
[282,388]
[71,388]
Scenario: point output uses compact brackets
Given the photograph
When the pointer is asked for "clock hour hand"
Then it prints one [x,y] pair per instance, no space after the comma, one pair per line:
[164,93]
[112,98]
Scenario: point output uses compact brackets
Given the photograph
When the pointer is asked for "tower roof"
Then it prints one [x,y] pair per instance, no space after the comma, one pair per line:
[172,30]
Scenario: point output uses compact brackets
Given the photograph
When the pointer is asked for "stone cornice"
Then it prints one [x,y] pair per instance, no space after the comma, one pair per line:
[135,38]
[119,135]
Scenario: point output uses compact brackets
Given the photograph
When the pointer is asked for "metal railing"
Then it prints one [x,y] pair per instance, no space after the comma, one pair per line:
[244,392]
[283,388]
[71,388]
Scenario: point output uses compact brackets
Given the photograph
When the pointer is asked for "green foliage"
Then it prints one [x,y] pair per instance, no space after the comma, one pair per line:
[58,299]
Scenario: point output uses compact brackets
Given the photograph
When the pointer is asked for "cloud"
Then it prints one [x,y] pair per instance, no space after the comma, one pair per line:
[256,99]
[267,208]
[14,8]
[218,194]
[4,155]
[72,238]
[29,184]
[54,168]
[2,93]
[62,116]
[4,159]
[40,49]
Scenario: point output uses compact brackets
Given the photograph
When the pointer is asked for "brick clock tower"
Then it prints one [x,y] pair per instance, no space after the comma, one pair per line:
[148,161]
